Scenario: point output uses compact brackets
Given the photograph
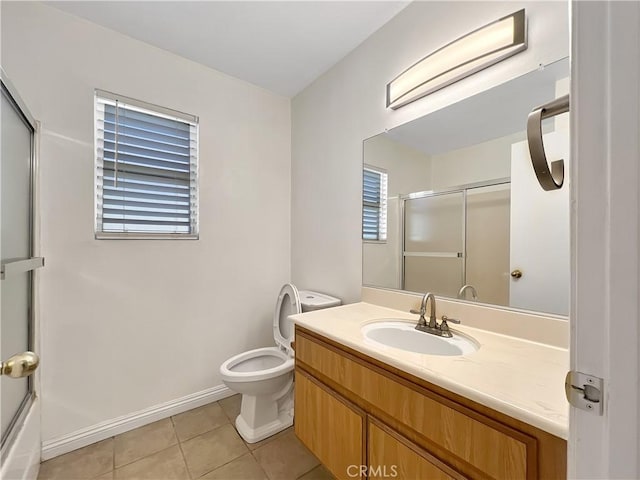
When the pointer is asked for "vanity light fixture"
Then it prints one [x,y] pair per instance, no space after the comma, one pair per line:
[465,56]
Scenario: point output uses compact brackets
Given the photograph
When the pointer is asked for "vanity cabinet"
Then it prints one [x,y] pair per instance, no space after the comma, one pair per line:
[332,428]
[352,409]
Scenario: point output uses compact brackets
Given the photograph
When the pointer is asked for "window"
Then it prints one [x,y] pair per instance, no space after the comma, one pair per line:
[146,170]
[374,204]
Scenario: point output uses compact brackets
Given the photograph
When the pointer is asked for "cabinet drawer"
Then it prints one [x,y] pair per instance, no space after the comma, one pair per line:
[331,428]
[391,455]
[488,448]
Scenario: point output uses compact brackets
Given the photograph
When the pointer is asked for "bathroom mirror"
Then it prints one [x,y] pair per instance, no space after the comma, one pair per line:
[451,204]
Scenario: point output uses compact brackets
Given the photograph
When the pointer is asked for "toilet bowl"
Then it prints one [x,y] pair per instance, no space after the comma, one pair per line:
[264,376]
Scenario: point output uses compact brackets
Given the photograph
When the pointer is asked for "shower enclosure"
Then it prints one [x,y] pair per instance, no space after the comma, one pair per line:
[456,237]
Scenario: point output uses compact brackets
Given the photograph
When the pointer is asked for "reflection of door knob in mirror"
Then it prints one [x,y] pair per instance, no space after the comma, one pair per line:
[20,365]
[516,273]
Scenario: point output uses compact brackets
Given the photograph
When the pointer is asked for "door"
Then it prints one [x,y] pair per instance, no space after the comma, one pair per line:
[540,248]
[393,456]
[605,229]
[16,284]
[330,426]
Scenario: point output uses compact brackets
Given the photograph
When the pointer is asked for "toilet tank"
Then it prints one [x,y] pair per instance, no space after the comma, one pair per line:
[310,301]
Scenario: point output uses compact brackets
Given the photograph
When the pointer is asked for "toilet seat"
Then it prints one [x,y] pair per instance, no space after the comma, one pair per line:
[268,362]
[257,364]
[288,303]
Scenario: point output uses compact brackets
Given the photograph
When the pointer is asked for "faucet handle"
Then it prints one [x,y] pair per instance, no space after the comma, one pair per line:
[416,312]
[452,320]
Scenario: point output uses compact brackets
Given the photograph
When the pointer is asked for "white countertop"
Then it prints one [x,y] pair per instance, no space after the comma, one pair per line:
[517,377]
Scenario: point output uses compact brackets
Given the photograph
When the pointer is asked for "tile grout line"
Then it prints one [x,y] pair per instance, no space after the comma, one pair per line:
[275,437]
[251,452]
[201,434]
[39,477]
[308,471]
[220,466]
[184,458]
[145,456]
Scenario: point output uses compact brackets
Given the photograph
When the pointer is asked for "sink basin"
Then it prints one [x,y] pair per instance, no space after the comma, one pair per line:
[400,334]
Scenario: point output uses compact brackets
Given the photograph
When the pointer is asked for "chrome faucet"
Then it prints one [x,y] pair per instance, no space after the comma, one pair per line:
[463,290]
[442,330]
[422,322]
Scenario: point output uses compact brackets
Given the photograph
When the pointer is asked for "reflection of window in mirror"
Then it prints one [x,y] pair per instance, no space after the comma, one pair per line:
[374,204]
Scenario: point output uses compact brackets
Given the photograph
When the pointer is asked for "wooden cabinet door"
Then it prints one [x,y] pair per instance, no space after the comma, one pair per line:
[393,456]
[331,427]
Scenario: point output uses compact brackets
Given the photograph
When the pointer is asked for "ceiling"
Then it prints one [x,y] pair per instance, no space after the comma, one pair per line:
[281,46]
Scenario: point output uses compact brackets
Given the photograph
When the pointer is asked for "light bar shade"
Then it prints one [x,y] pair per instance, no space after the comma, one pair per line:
[463,57]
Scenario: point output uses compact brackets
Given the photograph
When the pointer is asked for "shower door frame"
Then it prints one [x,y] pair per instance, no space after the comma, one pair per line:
[19,420]
[434,193]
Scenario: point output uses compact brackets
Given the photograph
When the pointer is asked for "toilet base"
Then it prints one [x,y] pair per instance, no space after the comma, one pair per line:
[253,435]
[269,410]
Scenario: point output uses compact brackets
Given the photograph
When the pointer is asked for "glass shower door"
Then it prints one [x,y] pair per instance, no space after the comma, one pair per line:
[434,235]
[16,164]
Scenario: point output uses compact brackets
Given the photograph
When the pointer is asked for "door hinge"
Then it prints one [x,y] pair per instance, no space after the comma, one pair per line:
[585,392]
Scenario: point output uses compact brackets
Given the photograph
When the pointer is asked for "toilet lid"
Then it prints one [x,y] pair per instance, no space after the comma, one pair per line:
[288,304]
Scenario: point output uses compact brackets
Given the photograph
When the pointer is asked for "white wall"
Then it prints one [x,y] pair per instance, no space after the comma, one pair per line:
[131,324]
[331,117]
[481,162]
[409,169]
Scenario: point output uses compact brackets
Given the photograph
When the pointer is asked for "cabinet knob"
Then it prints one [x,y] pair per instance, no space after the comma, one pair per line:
[516,273]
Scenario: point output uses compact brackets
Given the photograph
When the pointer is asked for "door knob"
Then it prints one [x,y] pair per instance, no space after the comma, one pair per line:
[20,365]
[516,273]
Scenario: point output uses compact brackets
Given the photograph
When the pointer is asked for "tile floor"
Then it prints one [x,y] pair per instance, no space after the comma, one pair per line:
[198,444]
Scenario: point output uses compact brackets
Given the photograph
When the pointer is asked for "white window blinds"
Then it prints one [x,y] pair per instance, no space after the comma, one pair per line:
[374,205]
[146,170]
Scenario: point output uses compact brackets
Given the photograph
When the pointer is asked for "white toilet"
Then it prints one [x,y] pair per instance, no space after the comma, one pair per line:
[264,376]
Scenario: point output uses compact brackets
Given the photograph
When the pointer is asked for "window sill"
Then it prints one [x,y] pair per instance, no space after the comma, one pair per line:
[145,236]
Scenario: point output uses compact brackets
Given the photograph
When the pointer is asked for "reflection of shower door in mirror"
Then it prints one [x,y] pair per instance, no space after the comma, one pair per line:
[434,237]
[487,246]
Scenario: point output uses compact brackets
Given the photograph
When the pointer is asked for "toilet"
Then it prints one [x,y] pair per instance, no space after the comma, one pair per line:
[264,376]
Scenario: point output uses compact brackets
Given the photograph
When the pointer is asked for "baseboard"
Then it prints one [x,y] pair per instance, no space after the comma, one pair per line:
[101,431]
